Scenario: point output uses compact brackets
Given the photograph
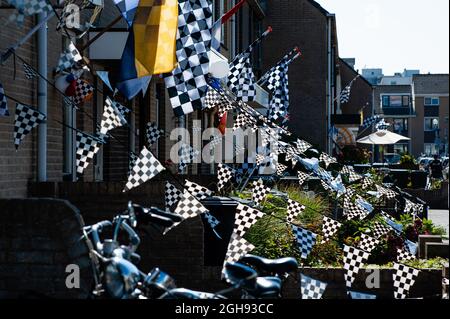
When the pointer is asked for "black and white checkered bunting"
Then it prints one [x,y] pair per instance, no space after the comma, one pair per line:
[171,195]
[379,229]
[237,248]
[259,192]
[354,177]
[186,155]
[87,146]
[212,98]
[327,159]
[3,102]
[346,170]
[189,207]
[302,177]
[404,255]
[111,118]
[245,218]
[153,133]
[312,288]
[186,84]
[26,119]
[146,167]
[68,58]
[390,194]
[413,208]
[353,260]
[404,278]
[294,210]
[132,158]
[198,191]
[366,182]
[329,228]
[281,169]
[368,243]
[29,71]
[370,121]
[305,239]
[302,146]
[224,175]
[351,209]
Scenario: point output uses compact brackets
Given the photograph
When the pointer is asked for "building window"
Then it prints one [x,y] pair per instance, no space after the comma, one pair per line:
[395,100]
[400,126]
[432,101]
[430,149]
[431,124]
[401,148]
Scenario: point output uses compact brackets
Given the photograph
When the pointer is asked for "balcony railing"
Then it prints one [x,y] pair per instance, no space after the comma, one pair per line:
[401,110]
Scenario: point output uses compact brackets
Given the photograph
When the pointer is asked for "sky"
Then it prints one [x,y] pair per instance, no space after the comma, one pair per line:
[393,34]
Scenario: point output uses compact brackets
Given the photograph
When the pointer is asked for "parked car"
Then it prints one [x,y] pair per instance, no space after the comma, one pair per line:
[424,162]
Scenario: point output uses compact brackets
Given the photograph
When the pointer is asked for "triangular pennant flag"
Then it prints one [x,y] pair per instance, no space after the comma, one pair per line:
[329,228]
[153,133]
[305,239]
[29,71]
[189,207]
[68,58]
[294,209]
[368,243]
[145,168]
[404,255]
[198,191]
[237,248]
[302,178]
[379,229]
[83,91]
[87,147]
[404,278]
[224,175]
[111,118]
[246,217]
[3,102]
[353,260]
[259,191]
[131,161]
[171,195]
[312,288]
[390,194]
[327,159]
[26,119]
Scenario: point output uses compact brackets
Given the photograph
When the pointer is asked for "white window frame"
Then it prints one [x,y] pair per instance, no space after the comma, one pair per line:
[432,99]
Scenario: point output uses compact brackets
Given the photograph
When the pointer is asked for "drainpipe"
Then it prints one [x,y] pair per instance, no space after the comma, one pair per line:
[329,79]
[42,98]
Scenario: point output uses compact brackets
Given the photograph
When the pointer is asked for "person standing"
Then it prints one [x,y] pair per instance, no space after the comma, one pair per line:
[435,168]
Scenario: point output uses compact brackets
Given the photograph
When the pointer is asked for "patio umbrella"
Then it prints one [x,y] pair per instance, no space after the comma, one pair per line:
[382,137]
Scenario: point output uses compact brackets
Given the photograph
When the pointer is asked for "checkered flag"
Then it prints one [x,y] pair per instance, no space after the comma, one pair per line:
[68,58]
[259,192]
[171,195]
[241,79]
[404,278]
[87,147]
[368,243]
[312,288]
[379,229]
[132,158]
[189,207]
[302,178]
[294,209]
[367,182]
[111,117]
[3,102]
[28,8]
[323,174]
[197,191]
[353,260]
[212,98]
[237,248]
[329,228]
[153,133]
[370,121]
[390,194]
[280,169]
[245,218]
[145,168]
[260,159]
[404,255]
[360,295]
[122,109]
[29,71]
[26,119]
[412,208]
[346,170]
[302,146]
[327,159]
[325,185]
[186,155]
[83,90]
[353,177]
[223,107]
[224,175]
[351,209]
[186,84]
[305,239]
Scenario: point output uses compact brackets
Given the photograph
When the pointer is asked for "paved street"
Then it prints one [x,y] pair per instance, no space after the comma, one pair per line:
[440,217]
